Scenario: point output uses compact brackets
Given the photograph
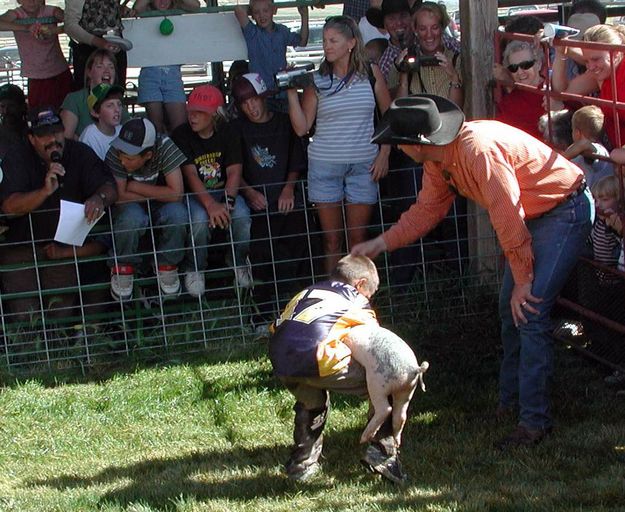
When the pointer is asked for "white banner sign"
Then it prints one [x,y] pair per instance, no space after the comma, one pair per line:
[196,38]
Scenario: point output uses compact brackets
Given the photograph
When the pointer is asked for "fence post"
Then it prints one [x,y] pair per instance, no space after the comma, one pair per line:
[478,23]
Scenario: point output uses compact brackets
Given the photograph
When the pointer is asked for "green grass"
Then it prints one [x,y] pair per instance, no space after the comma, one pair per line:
[211,434]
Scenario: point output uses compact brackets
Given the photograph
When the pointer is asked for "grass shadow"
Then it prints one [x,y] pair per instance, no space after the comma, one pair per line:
[211,475]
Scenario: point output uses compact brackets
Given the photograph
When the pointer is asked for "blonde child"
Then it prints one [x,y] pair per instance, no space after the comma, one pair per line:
[43,62]
[161,90]
[606,233]
[212,173]
[614,221]
[267,41]
[587,132]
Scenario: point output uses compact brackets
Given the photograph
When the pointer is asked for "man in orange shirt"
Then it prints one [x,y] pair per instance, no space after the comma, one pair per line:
[541,210]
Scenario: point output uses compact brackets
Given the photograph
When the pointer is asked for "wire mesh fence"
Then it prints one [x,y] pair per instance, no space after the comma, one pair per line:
[57,310]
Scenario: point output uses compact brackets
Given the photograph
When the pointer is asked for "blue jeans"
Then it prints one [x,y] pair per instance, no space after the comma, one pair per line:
[201,233]
[130,221]
[558,239]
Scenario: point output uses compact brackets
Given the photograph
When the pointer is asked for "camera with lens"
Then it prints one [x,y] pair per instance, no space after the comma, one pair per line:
[299,76]
[413,61]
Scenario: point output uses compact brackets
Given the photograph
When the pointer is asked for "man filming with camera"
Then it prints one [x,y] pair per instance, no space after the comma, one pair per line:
[394,17]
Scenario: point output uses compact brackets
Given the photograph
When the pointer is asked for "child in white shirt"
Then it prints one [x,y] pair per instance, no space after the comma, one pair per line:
[105,105]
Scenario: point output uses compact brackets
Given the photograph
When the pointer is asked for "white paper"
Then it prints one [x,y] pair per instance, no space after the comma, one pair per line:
[73,226]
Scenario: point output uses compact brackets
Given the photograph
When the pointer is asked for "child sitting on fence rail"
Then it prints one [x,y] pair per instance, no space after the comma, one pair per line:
[587,133]
[147,171]
[43,62]
[212,174]
[267,42]
[273,159]
[105,103]
[161,90]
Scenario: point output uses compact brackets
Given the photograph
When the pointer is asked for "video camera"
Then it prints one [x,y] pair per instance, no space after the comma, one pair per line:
[414,61]
[299,76]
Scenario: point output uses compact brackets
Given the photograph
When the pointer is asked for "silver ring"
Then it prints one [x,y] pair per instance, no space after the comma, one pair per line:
[523,304]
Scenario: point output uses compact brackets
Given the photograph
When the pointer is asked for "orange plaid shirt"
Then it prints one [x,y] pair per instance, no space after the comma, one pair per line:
[504,170]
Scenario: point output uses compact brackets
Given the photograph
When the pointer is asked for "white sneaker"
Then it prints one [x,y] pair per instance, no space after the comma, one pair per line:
[194,283]
[243,275]
[122,280]
[168,280]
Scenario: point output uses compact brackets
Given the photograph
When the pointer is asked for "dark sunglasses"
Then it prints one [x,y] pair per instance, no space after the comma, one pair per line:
[526,64]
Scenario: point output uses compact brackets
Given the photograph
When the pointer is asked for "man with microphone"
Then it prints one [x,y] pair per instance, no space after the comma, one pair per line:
[36,176]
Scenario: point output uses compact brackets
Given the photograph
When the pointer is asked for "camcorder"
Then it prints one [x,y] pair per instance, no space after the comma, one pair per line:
[413,61]
[297,77]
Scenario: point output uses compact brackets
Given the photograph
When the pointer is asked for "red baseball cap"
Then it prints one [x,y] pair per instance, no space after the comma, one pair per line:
[206,98]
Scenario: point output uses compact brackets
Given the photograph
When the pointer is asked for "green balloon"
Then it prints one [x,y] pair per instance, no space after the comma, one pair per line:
[166,27]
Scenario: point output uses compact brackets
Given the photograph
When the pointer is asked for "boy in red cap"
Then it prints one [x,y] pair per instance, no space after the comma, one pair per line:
[212,174]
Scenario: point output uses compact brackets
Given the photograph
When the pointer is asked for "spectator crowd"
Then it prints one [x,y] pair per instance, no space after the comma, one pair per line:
[240,164]
[233,161]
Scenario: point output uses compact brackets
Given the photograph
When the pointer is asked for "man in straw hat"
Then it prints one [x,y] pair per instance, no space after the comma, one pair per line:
[541,210]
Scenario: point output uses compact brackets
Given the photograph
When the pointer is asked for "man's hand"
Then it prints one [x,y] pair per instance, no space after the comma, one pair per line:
[94,208]
[286,201]
[370,248]
[520,303]
[56,252]
[256,200]
[102,43]
[51,182]
[218,215]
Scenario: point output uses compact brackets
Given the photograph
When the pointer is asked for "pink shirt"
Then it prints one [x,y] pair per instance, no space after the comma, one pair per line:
[503,169]
[41,58]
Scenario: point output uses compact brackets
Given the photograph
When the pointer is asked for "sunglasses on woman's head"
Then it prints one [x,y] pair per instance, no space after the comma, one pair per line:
[526,64]
[343,20]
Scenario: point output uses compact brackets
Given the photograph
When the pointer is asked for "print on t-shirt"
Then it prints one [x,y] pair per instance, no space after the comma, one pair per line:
[262,156]
[209,169]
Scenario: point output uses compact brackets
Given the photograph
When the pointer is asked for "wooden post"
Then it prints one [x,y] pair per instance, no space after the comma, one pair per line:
[478,22]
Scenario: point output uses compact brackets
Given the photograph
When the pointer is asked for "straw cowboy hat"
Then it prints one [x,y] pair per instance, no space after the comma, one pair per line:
[420,119]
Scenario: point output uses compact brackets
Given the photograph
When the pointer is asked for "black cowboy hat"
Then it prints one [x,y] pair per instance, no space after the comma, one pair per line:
[419,119]
[375,15]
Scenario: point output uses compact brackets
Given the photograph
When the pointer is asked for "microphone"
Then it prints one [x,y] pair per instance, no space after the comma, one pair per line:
[401,39]
[555,31]
[55,156]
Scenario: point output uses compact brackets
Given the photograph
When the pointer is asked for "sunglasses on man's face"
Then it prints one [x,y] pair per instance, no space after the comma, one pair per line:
[526,64]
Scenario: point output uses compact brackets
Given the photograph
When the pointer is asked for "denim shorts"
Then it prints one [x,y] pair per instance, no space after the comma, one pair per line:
[161,84]
[330,182]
